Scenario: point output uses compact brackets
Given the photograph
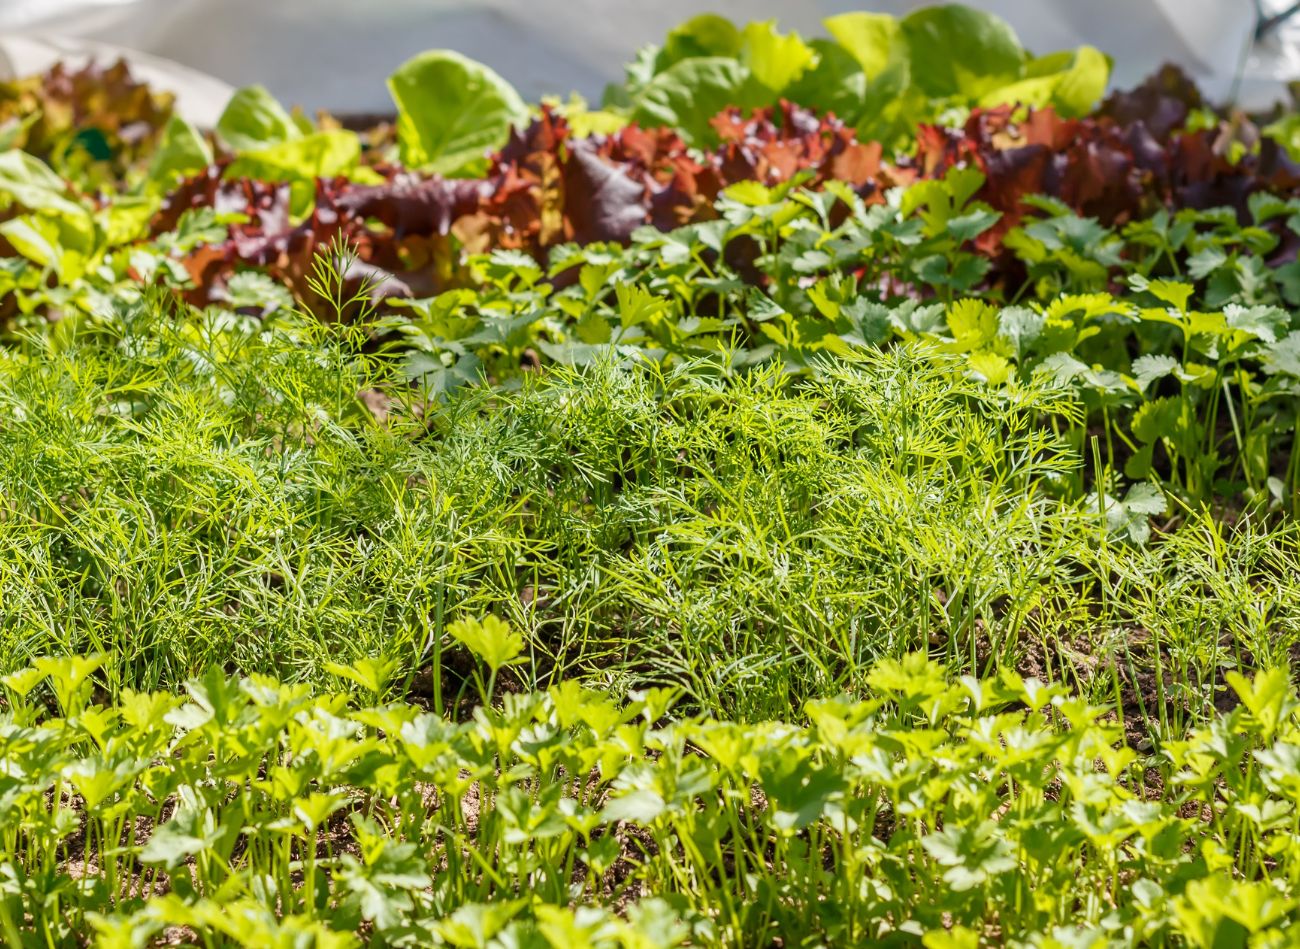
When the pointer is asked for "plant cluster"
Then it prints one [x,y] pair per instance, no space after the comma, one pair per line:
[470,171]
[1203,397]
[949,812]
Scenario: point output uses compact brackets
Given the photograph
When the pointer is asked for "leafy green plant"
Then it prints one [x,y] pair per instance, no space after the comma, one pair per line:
[272,145]
[451,111]
[493,642]
[878,73]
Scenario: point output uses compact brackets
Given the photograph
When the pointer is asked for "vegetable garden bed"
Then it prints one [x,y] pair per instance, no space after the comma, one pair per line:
[836,492]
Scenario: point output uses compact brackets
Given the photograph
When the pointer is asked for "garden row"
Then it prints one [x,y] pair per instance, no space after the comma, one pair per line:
[946,814]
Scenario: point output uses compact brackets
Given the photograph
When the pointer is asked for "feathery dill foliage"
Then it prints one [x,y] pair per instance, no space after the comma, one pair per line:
[181,492]
[187,492]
